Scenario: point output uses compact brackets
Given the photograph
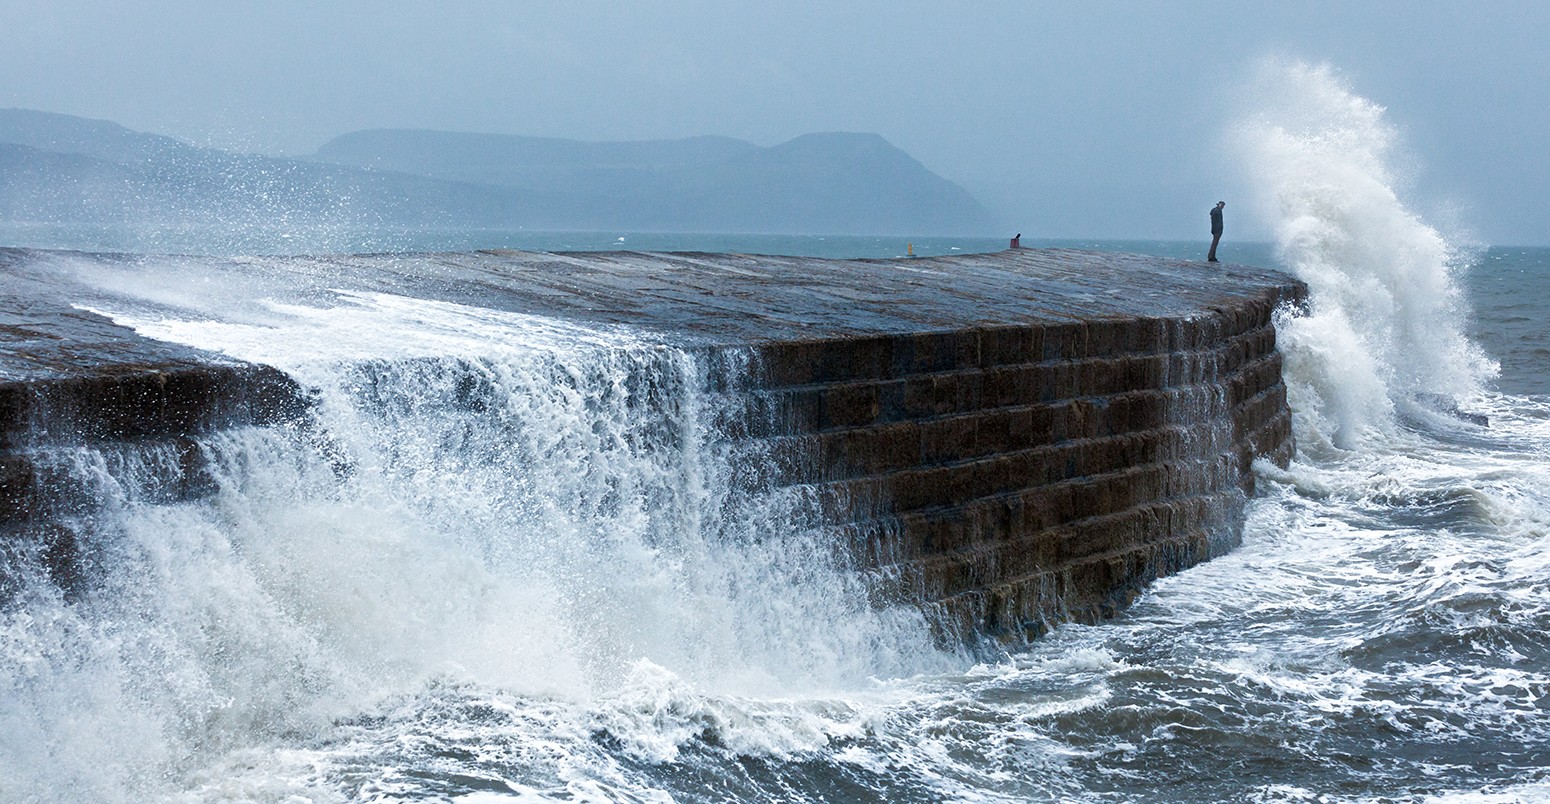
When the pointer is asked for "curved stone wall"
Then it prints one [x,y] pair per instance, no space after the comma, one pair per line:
[1017,477]
[1012,439]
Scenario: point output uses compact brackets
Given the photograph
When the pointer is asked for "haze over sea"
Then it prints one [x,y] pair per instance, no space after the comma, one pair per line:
[434,627]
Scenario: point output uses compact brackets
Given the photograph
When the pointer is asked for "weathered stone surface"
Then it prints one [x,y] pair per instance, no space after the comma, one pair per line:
[70,377]
[1019,495]
[1011,439]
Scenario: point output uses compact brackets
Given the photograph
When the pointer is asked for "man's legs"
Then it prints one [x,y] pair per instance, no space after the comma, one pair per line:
[1216,238]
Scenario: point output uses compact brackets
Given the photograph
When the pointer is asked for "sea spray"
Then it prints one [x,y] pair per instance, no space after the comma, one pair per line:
[1384,326]
[481,502]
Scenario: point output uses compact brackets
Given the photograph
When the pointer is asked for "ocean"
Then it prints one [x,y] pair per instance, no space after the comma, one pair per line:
[488,576]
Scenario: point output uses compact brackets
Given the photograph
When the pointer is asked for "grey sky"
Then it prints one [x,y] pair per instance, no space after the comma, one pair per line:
[1093,119]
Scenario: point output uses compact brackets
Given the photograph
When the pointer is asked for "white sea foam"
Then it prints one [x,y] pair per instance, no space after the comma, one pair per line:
[489,498]
[1384,324]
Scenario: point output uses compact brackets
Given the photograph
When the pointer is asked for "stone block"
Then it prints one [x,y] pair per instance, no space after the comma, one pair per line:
[1064,341]
[1146,336]
[943,394]
[854,359]
[1106,337]
[1006,346]
[936,351]
[841,406]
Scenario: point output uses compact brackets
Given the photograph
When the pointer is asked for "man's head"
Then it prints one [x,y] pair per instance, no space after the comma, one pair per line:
[1221,204]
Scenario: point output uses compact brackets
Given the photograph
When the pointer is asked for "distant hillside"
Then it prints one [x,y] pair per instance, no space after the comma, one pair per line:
[59,133]
[518,161]
[828,183]
[63,169]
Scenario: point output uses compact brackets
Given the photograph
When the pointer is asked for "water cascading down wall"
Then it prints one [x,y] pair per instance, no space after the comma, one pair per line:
[1008,440]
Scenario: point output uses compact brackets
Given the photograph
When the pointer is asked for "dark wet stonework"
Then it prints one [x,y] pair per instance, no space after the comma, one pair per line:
[1011,439]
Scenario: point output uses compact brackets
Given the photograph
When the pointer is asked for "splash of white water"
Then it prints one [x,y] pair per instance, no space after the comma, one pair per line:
[1384,324]
[482,497]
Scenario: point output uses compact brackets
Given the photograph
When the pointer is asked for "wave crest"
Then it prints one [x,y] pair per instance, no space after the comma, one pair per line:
[1384,326]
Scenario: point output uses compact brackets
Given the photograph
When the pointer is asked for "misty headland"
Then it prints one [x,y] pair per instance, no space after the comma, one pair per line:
[60,170]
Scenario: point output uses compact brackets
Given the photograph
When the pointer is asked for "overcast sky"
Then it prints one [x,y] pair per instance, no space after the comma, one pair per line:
[1101,119]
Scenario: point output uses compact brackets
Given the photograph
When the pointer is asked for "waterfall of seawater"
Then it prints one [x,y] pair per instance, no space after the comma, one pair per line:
[1385,321]
[480,499]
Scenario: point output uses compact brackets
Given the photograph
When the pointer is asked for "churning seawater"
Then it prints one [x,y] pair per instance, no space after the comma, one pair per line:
[519,559]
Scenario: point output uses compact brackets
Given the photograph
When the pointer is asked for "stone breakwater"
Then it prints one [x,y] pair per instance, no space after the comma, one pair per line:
[70,377]
[1011,439]
[1017,477]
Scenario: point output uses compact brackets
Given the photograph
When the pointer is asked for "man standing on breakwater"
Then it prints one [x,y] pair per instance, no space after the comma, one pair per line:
[1216,229]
